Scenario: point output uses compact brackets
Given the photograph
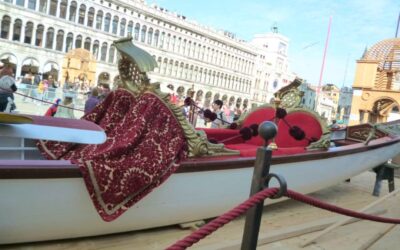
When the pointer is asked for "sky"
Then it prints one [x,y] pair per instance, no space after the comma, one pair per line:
[356,24]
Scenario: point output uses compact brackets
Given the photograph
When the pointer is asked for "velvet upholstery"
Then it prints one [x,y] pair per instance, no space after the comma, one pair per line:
[287,145]
[304,120]
[256,117]
[144,146]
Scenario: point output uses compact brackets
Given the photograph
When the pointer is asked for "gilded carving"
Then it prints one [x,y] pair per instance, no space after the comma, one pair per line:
[133,78]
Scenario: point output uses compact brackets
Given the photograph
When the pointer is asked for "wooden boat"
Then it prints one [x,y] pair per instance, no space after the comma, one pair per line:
[47,199]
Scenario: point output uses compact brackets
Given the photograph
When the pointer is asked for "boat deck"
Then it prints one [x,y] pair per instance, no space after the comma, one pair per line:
[278,220]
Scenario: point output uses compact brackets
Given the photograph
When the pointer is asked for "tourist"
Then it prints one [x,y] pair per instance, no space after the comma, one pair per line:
[237,112]
[37,79]
[334,125]
[221,118]
[186,110]
[92,101]
[7,87]
[105,90]
[66,109]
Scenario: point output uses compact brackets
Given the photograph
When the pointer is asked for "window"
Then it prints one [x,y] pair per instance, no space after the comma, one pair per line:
[78,42]
[103,52]
[82,12]
[111,54]
[28,33]
[143,34]
[32,4]
[39,35]
[150,36]
[49,38]
[63,9]
[137,29]
[68,42]
[156,35]
[90,20]
[59,40]
[87,43]
[107,22]
[17,30]
[275,84]
[282,48]
[43,6]
[130,28]
[53,7]
[95,49]
[99,19]
[72,11]
[122,27]
[20,3]
[115,25]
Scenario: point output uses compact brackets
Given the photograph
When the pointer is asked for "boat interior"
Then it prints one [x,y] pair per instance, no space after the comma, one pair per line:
[316,136]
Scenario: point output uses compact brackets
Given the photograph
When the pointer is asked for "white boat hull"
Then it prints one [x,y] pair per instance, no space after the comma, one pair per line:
[49,209]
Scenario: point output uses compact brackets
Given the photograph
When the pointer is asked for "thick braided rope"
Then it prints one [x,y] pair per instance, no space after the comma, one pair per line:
[215,224]
[317,203]
[225,218]
[39,100]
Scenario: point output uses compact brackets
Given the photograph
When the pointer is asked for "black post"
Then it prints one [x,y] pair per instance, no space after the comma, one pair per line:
[267,131]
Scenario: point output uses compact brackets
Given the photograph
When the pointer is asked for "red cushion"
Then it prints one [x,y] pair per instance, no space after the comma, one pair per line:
[256,117]
[306,121]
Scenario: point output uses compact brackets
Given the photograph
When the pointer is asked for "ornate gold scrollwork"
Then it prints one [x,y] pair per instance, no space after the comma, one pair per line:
[290,96]
[132,66]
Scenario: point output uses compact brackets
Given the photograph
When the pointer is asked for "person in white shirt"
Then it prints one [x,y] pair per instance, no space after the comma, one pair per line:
[220,122]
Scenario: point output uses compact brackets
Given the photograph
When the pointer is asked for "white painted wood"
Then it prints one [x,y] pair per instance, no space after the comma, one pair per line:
[41,132]
[47,209]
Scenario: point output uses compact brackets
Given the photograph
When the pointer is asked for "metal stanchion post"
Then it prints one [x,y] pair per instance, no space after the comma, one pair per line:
[267,131]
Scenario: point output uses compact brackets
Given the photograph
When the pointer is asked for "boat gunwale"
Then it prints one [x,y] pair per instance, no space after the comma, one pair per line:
[47,169]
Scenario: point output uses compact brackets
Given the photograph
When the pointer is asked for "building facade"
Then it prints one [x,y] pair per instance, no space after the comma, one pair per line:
[376,87]
[332,92]
[36,35]
[309,96]
[272,67]
[344,106]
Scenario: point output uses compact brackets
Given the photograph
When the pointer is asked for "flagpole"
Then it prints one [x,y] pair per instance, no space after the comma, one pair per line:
[323,62]
[397,29]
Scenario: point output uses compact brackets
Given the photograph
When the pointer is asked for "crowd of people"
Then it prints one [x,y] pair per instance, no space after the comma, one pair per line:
[65,108]
[36,89]
[225,113]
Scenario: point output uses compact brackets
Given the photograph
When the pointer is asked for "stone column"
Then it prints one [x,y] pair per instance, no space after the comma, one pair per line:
[58,8]
[67,13]
[44,38]
[64,47]
[48,7]
[53,45]
[22,38]
[34,31]
[18,70]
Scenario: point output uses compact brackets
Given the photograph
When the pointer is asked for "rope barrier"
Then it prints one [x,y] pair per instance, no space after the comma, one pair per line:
[227,217]
[40,100]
